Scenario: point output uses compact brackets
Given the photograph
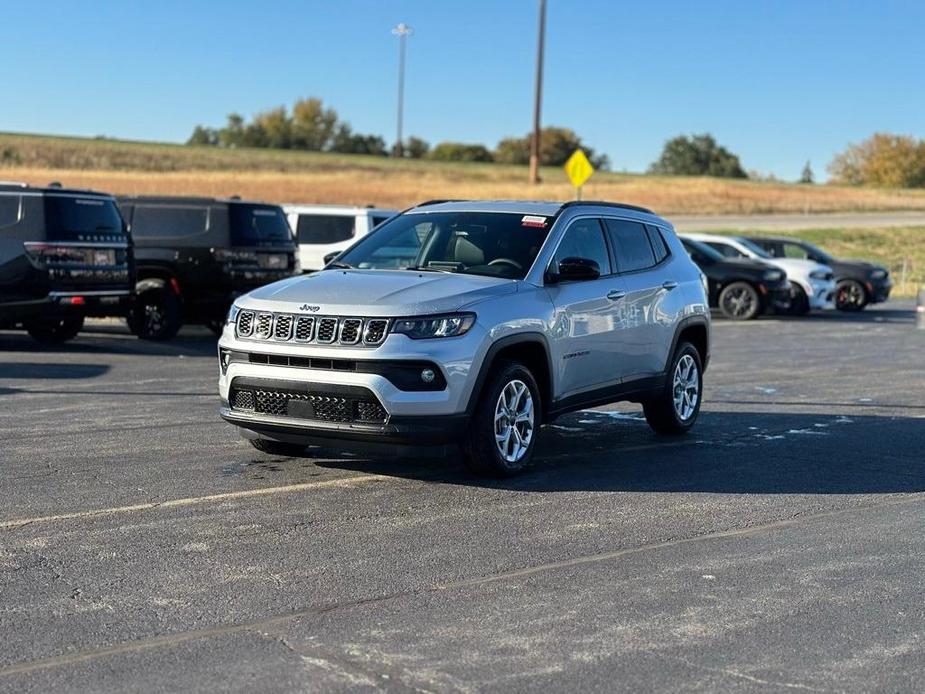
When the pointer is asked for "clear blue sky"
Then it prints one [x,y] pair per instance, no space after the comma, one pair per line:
[777,82]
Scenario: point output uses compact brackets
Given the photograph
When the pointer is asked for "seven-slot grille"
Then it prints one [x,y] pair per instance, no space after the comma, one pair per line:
[324,330]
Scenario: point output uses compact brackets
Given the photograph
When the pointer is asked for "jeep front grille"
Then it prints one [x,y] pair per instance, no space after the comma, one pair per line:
[322,330]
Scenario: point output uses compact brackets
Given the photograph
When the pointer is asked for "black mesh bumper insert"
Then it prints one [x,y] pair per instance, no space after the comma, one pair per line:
[357,406]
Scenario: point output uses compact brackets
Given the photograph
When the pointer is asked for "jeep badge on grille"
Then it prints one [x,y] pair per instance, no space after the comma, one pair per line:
[309,307]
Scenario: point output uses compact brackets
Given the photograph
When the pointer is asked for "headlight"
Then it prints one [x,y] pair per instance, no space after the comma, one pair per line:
[820,275]
[877,274]
[428,327]
[773,276]
[232,317]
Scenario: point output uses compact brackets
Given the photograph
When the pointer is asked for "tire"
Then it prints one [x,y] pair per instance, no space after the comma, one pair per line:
[510,388]
[156,314]
[739,301]
[799,302]
[55,330]
[851,296]
[664,413]
[289,450]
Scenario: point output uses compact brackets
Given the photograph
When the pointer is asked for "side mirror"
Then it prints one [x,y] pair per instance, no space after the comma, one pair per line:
[574,270]
[330,256]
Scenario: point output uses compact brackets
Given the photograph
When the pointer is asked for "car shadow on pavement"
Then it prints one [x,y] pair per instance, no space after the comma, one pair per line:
[57,371]
[104,343]
[728,453]
[902,312]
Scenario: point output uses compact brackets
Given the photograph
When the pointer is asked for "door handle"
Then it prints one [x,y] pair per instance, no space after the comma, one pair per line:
[669,285]
[615,294]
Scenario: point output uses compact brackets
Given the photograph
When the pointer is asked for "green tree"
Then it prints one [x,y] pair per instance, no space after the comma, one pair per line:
[203,136]
[697,155]
[416,148]
[556,146]
[346,141]
[232,135]
[807,175]
[459,151]
[313,125]
[276,128]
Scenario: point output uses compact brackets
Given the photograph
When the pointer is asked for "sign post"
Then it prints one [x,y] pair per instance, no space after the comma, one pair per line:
[578,169]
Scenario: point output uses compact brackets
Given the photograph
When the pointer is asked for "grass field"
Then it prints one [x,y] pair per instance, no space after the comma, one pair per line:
[286,176]
[901,249]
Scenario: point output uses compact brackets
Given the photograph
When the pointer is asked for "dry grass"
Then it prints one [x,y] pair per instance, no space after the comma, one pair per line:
[282,176]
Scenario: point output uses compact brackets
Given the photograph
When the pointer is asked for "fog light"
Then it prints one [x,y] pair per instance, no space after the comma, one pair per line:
[225,360]
[428,375]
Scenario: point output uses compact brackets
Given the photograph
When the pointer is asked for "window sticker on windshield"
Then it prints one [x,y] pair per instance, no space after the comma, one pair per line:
[532,220]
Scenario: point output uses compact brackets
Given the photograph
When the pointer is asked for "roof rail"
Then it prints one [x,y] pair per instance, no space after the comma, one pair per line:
[437,202]
[602,203]
[16,184]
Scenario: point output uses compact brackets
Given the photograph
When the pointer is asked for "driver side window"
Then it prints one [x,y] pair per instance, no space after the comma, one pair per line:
[585,239]
[792,250]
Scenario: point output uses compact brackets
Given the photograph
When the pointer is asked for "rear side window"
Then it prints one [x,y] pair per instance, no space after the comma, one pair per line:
[258,225]
[162,221]
[584,239]
[631,245]
[91,219]
[321,229]
[9,210]
[659,247]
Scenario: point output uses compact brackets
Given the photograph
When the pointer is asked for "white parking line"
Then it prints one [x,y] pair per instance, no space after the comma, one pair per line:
[193,500]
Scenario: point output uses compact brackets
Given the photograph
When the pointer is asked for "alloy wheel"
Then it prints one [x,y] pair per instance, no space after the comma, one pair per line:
[514,421]
[686,387]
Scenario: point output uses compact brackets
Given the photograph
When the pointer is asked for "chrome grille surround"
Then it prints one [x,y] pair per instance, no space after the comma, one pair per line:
[321,330]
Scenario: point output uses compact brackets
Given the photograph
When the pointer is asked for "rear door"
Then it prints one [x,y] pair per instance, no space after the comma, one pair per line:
[585,347]
[640,256]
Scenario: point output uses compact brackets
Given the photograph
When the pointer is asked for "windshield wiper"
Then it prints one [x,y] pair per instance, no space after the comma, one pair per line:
[428,268]
[338,265]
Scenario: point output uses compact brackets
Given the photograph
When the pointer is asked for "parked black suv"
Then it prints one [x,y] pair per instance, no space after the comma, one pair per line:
[64,255]
[741,288]
[195,255]
[858,282]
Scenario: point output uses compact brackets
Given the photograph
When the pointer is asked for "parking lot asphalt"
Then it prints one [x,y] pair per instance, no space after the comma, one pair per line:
[145,547]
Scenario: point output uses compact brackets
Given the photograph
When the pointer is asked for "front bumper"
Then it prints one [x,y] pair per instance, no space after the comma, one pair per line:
[878,292]
[821,294]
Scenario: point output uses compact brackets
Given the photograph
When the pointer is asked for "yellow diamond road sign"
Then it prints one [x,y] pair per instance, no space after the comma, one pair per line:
[578,168]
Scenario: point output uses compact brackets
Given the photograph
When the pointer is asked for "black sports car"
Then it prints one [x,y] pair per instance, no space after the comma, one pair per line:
[741,288]
[859,282]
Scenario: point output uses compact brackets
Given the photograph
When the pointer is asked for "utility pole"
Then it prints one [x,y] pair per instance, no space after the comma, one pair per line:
[402,31]
[537,99]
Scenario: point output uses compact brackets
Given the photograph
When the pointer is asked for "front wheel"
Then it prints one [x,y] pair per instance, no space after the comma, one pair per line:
[502,435]
[851,296]
[156,314]
[55,330]
[799,302]
[676,407]
[739,301]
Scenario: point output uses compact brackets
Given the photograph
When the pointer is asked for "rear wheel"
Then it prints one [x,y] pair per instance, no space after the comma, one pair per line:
[676,407]
[156,313]
[851,296]
[290,450]
[739,301]
[502,435]
[55,330]
[799,302]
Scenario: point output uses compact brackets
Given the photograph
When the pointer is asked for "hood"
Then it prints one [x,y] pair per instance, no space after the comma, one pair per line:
[797,267]
[862,266]
[747,264]
[376,292]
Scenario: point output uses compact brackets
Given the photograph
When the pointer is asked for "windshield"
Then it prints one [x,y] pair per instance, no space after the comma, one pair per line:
[702,248]
[753,247]
[258,225]
[816,253]
[474,243]
[90,219]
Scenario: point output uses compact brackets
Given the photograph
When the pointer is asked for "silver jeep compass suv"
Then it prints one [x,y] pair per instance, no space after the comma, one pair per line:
[472,322]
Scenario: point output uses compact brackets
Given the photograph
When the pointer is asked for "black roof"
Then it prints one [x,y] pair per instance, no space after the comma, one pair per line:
[17,187]
[188,199]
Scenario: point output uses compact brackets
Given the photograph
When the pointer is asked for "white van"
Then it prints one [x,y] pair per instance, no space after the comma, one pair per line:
[323,229]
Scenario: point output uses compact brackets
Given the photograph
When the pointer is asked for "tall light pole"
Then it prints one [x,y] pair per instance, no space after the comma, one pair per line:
[537,99]
[402,31]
